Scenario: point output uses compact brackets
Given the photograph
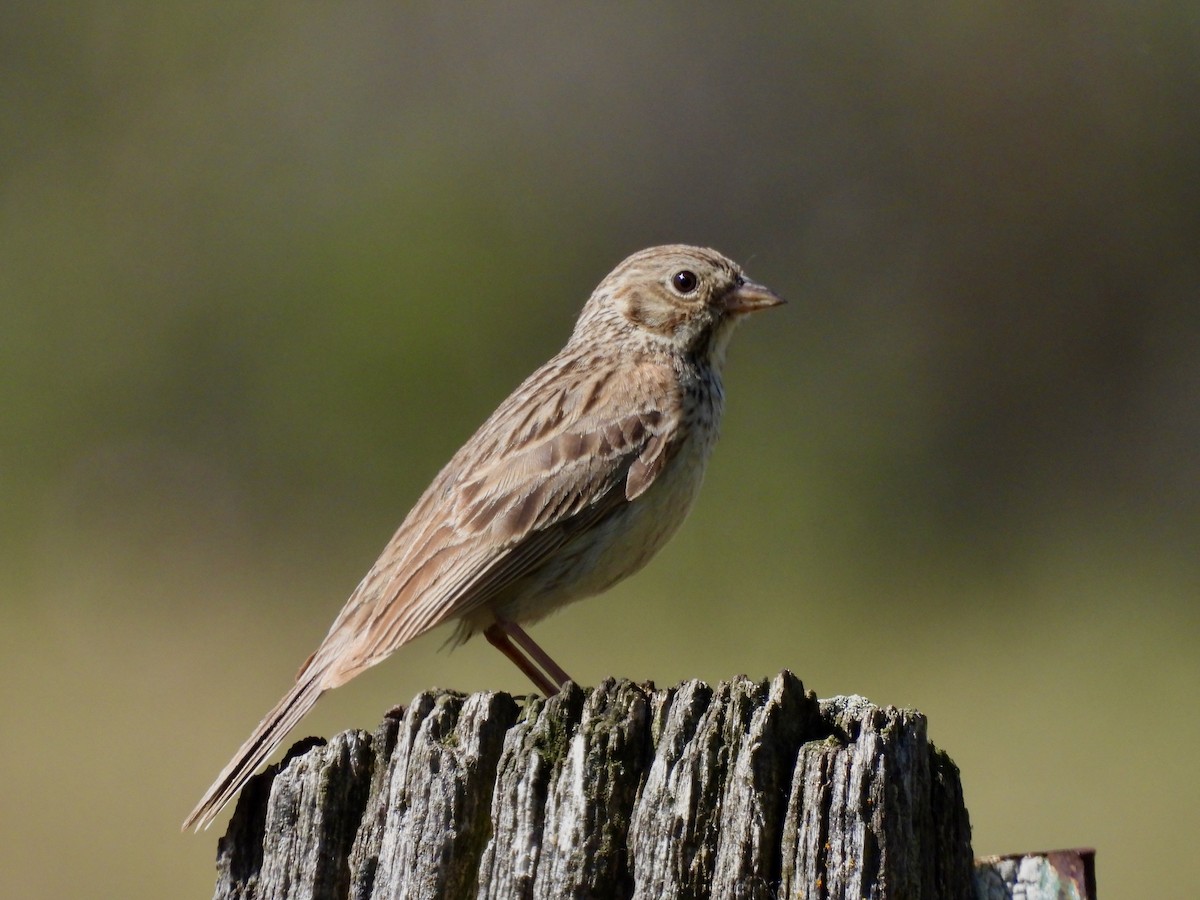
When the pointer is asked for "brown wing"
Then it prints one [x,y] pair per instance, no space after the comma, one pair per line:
[569,447]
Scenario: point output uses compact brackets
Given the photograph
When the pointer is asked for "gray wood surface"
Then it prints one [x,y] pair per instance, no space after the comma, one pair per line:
[747,790]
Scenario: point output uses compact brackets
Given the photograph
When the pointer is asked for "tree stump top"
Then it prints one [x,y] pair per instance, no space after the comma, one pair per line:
[750,789]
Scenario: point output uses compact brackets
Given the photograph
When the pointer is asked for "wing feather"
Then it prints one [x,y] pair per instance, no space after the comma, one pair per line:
[540,471]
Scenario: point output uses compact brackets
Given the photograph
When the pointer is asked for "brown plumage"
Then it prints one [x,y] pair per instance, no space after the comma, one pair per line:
[571,485]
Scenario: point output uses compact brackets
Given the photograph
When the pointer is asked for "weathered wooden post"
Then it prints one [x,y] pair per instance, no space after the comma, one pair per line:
[744,791]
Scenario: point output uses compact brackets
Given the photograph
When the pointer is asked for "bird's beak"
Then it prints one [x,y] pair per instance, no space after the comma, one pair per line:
[751,297]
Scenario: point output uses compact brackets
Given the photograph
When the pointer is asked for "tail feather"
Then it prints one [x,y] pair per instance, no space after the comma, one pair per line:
[262,743]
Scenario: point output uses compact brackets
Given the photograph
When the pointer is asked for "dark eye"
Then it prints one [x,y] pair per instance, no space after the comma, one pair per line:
[685,282]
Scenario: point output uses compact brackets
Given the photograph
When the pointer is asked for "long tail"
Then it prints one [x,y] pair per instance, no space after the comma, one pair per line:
[262,743]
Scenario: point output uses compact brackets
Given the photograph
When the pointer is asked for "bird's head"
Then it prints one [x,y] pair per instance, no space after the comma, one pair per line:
[687,298]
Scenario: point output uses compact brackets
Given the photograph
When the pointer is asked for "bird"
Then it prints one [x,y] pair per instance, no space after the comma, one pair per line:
[576,480]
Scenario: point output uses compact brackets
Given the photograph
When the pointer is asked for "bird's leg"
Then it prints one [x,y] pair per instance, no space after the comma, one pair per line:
[540,656]
[499,639]
[549,678]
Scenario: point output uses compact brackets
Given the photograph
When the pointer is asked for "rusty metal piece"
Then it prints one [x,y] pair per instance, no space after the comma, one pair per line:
[1049,875]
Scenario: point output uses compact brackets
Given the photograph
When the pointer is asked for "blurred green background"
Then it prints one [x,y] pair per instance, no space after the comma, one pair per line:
[263,267]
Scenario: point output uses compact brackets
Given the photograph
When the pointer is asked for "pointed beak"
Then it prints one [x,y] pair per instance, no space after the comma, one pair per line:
[750,297]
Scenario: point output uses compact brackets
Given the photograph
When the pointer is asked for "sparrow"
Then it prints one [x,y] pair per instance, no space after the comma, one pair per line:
[571,485]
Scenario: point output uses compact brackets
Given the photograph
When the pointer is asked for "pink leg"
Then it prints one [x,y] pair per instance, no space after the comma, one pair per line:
[549,679]
[540,656]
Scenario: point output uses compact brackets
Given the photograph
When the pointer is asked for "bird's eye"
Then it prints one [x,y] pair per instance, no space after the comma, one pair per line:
[685,282]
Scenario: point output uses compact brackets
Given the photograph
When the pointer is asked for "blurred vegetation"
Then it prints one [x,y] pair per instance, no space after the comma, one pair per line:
[263,267]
